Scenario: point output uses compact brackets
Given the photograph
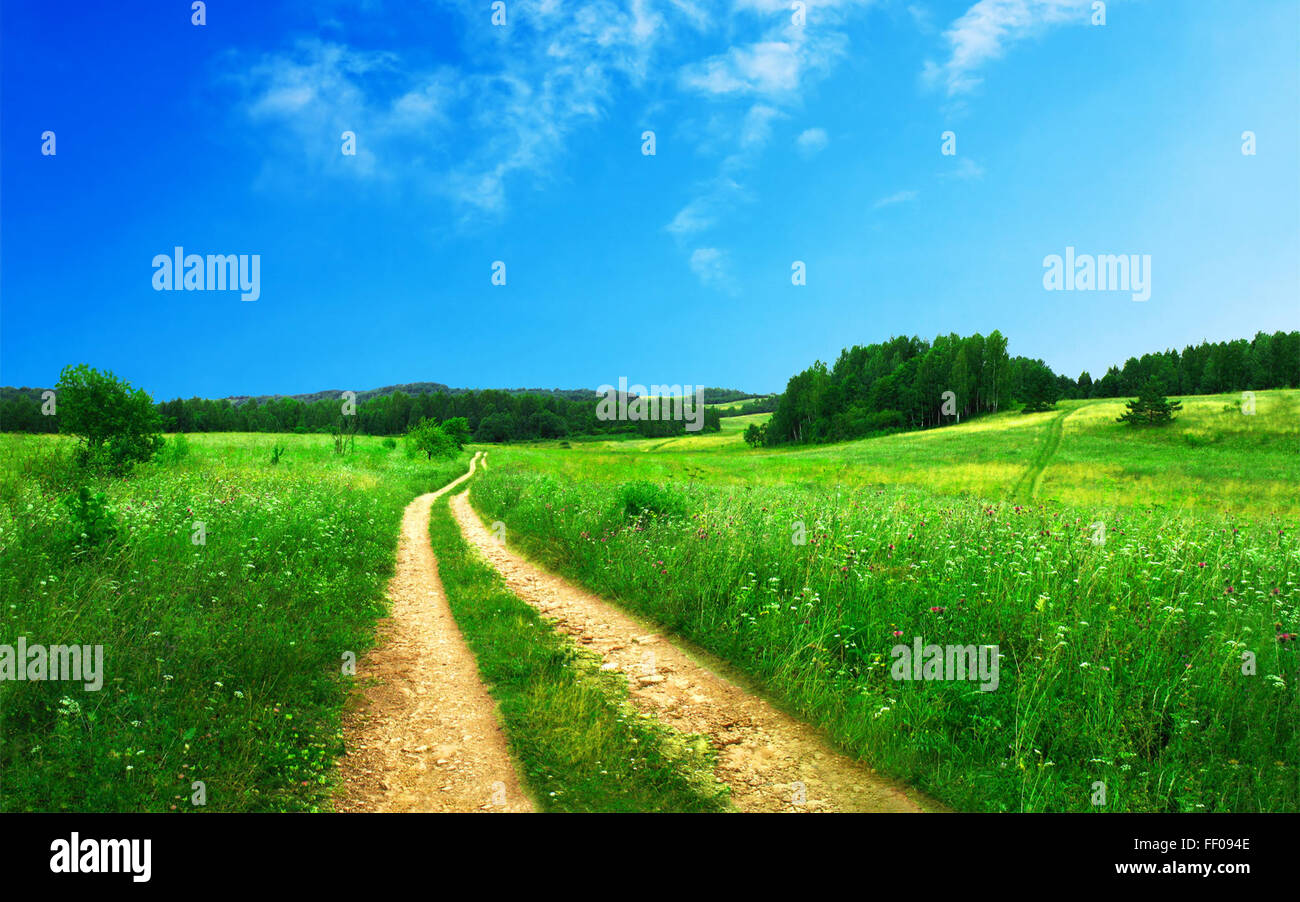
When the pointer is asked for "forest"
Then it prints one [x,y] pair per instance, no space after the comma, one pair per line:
[900,384]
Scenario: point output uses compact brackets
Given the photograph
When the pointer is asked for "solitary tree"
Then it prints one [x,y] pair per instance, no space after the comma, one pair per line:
[117,425]
[1151,407]
[428,436]
[755,435]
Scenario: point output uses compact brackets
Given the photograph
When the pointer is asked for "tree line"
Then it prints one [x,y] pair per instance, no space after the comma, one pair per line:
[492,415]
[908,383]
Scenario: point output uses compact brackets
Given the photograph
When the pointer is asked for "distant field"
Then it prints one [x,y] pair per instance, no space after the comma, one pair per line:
[732,405]
[1209,459]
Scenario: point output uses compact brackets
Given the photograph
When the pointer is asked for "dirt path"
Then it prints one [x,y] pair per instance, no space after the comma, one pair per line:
[426,737]
[771,761]
[1027,486]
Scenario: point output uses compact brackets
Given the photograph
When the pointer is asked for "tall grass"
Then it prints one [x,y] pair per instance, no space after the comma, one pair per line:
[1212,459]
[1121,663]
[223,660]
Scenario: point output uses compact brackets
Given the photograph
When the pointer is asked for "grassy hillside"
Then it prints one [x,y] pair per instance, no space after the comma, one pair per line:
[1212,458]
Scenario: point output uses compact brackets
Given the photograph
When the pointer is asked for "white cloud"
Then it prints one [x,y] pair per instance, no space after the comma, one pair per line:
[984,31]
[711,265]
[812,141]
[704,211]
[766,67]
[757,128]
[476,131]
[900,197]
[466,133]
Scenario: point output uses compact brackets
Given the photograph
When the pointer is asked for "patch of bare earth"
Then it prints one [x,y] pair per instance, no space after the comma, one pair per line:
[425,736]
[771,761]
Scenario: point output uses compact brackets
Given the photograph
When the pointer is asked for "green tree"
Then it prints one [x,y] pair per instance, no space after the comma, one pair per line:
[428,436]
[755,435]
[1151,407]
[457,428]
[1041,388]
[116,425]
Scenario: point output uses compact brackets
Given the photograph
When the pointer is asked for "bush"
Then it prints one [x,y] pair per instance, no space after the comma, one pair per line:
[93,523]
[389,443]
[648,499]
[116,424]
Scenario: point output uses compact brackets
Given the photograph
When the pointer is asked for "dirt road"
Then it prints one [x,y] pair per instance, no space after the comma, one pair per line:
[426,736]
[771,761]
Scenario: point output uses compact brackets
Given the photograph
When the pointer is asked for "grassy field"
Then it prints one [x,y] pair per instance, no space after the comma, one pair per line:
[1122,661]
[222,661]
[1211,459]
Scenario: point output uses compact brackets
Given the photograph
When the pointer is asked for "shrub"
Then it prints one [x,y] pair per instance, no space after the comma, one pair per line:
[648,499]
[389,443]
[93,523]
[116,424]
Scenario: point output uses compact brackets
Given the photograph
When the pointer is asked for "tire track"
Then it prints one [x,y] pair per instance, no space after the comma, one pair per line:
[771,761]
[1031,480]
[426,736]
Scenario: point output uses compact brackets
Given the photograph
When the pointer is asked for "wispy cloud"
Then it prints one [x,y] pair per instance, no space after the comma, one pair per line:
[900,197]
[475,132]
[454,131]
[984,31]
[812,141]
[712,266]
[769,69]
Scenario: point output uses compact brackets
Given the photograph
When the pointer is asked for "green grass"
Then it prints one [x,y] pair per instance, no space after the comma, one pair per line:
[579,742]
[1209,460]
[1122,662]
[223,661]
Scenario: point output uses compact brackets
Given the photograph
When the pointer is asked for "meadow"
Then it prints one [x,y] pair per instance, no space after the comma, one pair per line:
[1123,650]
[1149,657]
[223,660]
[1212,458]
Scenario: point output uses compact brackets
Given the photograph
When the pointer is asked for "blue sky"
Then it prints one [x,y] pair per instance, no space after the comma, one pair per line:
[521,143]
